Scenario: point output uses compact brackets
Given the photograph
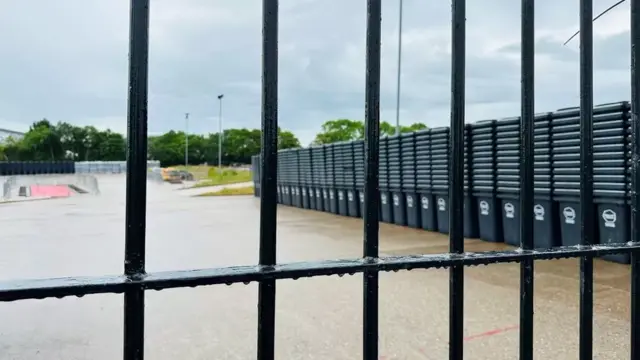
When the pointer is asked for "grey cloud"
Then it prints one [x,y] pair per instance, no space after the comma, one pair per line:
[68,61]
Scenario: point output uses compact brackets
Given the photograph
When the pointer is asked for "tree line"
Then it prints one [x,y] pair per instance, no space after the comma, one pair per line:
[63,141]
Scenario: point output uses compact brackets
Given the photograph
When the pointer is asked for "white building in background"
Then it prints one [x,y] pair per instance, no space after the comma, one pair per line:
[6,133]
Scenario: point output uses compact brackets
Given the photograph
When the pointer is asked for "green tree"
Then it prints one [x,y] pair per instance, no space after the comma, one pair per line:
[348,130]
[412,127]
[45,141]
[42,142]
[238,145]
[340,130]
[286,140]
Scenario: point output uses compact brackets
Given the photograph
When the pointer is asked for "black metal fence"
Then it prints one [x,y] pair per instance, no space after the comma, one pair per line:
[9,168]
[135,281]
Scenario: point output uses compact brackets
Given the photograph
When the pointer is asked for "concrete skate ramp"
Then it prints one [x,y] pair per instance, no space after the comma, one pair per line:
[54,183]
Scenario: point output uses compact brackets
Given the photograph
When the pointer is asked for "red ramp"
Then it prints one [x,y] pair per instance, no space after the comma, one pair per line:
[50,191]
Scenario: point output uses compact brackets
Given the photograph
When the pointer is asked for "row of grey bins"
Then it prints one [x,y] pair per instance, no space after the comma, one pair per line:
[9,168]
[414,178]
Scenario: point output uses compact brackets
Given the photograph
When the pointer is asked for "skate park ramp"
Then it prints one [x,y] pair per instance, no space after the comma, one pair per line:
[55,185]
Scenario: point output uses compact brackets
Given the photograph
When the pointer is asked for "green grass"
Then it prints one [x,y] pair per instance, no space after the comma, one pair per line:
[210,175]
[227,176]
[247,190]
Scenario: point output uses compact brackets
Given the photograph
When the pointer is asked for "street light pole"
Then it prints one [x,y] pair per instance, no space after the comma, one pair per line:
[399,68]
[220,133]
[186,140]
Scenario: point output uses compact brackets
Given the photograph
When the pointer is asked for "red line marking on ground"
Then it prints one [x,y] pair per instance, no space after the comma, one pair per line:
[472,337]
[490,333]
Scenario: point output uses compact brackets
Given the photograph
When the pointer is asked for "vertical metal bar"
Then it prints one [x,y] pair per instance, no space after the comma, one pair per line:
[586,177]
[399,70]
[371,185]
[269,173]
[220,133]
[526,176]
[186,140]
[136,192]
[456,178]
[635,179]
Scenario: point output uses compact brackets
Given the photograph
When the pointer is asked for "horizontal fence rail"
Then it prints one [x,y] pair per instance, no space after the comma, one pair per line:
[78,286]
[573,165]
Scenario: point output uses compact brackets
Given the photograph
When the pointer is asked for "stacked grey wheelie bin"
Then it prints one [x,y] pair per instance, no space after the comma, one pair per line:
[440,176]
[331,201]
[507,162]
[470,213]
[386,207]
[358,165]
[546,232]
[353,202]
[395,181]
[428,218]
[305,174]
[508,158]
[296,188]
[483,164]
[414,178]
[409,180]
[340,163]
[611,165]
[317,166]
[282,196]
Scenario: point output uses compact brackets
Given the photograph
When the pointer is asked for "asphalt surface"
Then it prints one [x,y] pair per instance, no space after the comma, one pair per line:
[319,318]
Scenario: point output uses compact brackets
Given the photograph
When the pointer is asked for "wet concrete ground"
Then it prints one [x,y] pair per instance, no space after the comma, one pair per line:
[317,318]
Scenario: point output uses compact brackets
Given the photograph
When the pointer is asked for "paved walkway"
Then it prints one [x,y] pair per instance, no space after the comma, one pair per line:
[202,190]
[319,318]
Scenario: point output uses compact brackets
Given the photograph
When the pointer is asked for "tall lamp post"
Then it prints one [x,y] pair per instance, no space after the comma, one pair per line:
[399,68]
[186,139]
[220,133]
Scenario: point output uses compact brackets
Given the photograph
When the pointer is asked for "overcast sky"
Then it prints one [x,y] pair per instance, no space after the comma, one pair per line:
[66,60]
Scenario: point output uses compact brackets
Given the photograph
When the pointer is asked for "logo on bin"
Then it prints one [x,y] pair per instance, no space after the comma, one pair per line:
[609,216]
[425,202]
[296,191]
[484,208]
[396,200]
[286,190]
[278,190]
[383,197]
[569,215]
[409,201]
[538,212]
[324,194]
[318,193]
[331,194]
[441,204]
[304,192]
[509,210]
[350,196]
[340,195]
[361,197]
